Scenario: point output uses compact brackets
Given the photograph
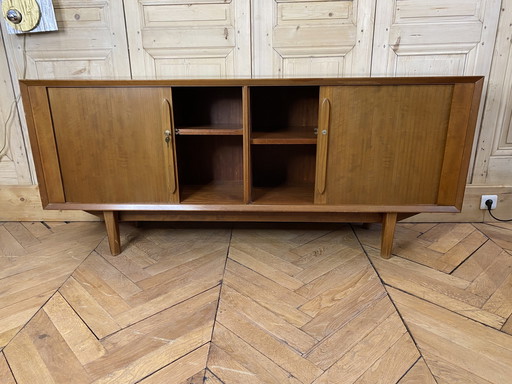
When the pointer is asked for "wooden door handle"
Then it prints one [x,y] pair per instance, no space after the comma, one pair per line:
[323,143]
[168,130]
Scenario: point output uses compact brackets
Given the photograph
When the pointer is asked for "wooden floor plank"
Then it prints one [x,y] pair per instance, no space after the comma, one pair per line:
[79,338]
[325,265]
[502,236]
[56,354]
[356,362]
[330,297]
[183,370]
[395,362]
[21,350]
[266,293]
[407,277]
[448,373]
[418,374]
[493,277]
[332,348]
[229,370]
[148,346]
[97,318]
[479,262]
[451,238]
[232,300]
[349,305]
[500,303]
[255,362]
[267,270]
[460,340]
[287,358]
[334,278]
[22,235]
[6,376]
[9,246]
[210,378]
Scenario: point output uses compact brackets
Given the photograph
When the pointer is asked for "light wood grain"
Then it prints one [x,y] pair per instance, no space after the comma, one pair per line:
[162,298]
[439,331]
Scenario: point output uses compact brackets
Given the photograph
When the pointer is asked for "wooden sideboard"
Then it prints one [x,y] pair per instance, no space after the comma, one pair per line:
[312,150]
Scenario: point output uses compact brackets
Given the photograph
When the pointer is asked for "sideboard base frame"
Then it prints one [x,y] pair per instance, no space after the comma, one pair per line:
[388,220]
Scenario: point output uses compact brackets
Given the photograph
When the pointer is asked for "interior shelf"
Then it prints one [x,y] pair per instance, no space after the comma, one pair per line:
[227,192]
[219,129]
[284,194]
[288,135]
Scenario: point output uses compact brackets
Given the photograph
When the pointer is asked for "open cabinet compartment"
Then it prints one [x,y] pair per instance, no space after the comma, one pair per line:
[207,110]
[284,115]
[210,169]
[283,174]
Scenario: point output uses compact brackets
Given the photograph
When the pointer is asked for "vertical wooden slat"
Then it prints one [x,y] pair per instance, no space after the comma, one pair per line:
[247,174]
[459,134]
[44,136]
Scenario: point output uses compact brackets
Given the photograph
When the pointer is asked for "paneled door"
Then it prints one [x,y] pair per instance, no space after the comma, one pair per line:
[14,167]
[180,39]
[435,37]
[312,38]
[493,165]
[90,43]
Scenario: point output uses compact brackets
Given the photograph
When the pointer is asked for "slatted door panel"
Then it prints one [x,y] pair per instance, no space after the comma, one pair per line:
[90,43]
[177,38]
[114,139]
[312,38]
[437,37]
[493,163]
[402,132]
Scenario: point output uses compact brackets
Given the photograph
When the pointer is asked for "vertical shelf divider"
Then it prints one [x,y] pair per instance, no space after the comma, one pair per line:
[246,126]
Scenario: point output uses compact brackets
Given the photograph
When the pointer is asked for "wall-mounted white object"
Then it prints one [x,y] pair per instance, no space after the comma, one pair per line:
[23,16]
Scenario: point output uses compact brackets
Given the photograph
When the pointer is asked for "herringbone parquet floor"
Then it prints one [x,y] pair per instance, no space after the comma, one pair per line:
[255,304]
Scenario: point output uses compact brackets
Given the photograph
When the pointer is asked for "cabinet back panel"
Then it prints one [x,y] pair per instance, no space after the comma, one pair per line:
[110,144]
[209,159]
[207,106]
[275,165]
[279,108]
[386,143]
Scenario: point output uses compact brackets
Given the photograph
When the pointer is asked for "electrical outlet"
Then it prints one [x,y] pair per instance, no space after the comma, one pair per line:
[494,199]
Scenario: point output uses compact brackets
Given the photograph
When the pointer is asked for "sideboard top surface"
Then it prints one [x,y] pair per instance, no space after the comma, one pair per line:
[257,82]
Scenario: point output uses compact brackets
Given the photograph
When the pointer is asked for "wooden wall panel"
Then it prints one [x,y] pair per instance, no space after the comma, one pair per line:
[493,165]
[438,37]
[177,38]
[312,38]
[14,168]
[90,43]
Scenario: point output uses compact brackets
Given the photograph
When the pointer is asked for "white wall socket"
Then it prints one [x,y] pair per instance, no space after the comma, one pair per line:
[494,199]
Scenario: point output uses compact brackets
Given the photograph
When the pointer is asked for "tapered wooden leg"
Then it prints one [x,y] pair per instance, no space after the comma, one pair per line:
[388,233]
[112,224]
